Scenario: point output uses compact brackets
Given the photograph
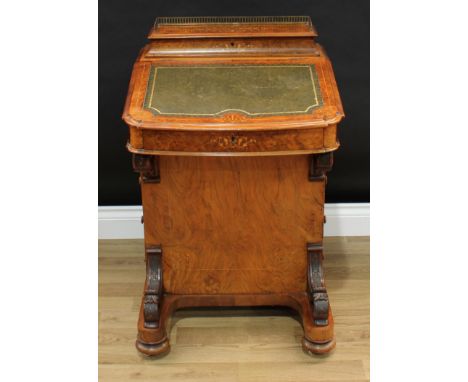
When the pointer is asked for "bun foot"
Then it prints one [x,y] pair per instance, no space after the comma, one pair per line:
[153,349]
[317,347]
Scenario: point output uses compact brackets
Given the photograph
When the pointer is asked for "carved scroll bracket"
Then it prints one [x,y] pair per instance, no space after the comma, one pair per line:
[153,286]
[320,164]
[317,292]
[148,167]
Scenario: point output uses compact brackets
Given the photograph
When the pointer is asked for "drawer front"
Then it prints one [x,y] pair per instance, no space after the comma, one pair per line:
[238,142]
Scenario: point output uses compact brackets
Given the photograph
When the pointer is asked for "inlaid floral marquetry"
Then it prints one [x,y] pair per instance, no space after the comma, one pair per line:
[233,141]
[250,90]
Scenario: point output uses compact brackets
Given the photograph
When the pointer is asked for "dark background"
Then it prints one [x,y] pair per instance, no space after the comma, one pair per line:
[343,28]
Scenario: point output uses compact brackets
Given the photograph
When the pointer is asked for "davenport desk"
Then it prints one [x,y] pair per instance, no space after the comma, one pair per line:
[233,125]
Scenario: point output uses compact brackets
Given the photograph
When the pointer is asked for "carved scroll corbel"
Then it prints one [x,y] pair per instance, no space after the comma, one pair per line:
[319,165]
[147,166]
[153,286]
[317,292]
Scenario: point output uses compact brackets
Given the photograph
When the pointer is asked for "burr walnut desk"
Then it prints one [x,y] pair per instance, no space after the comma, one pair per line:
[233,125]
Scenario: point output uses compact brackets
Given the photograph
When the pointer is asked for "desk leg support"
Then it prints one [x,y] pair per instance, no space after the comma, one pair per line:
[157,307]
[152,336]
[316,340]
[318,314]
[147,166]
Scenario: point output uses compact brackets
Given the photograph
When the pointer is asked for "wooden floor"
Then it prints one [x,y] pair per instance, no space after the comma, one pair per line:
[261,344]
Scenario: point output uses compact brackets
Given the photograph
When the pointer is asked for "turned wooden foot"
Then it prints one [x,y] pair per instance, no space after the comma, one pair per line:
[153,349]
[317,347]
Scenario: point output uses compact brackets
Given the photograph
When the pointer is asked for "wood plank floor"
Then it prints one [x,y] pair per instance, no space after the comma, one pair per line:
[261,344]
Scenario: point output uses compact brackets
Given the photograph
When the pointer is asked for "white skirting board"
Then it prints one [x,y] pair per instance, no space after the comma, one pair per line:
[343,219]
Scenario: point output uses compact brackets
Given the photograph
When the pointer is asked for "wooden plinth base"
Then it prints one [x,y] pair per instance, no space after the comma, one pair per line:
[153,341]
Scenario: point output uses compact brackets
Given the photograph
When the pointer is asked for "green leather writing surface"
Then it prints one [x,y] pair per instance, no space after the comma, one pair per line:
[255,90]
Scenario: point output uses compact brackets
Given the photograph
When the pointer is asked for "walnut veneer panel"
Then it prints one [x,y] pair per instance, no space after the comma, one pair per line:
[233,224]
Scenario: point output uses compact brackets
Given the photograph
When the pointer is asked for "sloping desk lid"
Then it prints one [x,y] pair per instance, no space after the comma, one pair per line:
[225,96]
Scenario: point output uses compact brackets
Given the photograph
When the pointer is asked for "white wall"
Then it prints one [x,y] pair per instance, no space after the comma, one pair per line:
[343,219]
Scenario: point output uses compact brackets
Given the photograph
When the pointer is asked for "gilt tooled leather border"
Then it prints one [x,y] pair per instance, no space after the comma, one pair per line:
[150,102]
